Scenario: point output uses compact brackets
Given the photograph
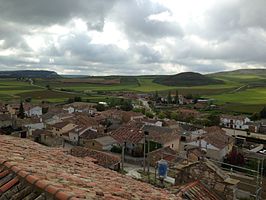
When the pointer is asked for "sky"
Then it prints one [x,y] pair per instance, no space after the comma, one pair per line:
[132,37]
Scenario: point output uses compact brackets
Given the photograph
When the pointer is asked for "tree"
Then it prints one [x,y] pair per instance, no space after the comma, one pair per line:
[77,99]
[149,114]
[176,97]
[100,107]
[255,116]
[126,105]
[48,87]
[263,113]
[156,96]
[214,120]
[21,113]
[161,115]
[169,98]
[174,116]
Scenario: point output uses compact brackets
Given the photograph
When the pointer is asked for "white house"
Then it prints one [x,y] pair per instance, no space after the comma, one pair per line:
[235,122]
[34,111]
[214,142]
[69,109]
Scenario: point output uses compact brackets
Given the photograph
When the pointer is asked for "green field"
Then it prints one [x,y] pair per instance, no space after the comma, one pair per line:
[249,98]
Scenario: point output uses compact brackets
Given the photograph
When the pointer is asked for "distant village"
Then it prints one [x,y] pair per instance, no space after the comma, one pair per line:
[206,152]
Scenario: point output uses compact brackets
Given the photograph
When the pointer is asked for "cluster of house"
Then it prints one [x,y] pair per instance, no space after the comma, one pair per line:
[80,124]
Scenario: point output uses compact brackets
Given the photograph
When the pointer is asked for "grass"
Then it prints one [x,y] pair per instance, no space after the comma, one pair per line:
[248,96]
[247,100]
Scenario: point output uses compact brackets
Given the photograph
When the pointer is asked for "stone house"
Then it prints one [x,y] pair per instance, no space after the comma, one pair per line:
[208,174]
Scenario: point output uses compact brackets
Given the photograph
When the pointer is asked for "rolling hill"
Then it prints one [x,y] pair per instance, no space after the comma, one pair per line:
[242,72]
[29,74]
[186,79]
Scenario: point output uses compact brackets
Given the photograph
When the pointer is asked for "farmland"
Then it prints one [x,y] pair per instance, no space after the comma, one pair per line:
[237,92]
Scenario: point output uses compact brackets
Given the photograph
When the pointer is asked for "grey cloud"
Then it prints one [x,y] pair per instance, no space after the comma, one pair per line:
[133,18]
[39,12]
[231,32]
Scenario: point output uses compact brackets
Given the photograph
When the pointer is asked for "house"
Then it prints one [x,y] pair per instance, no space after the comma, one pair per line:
[13,108]
[218,185]
[195,190]
[165,153]
[73,136]
[47,138]
[162,136]
[131,136]
[190,132]
[62,127]
[55,116]
[234,122]
[90,134]
[123,116]
[3,109]
[80,107]
[32,110]
[31,124]
[69,109]
[102,143]
[5,120]
[103,159]
[214,142]
[152,122]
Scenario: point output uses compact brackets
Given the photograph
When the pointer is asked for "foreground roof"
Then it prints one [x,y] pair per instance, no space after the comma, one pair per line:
[67,177]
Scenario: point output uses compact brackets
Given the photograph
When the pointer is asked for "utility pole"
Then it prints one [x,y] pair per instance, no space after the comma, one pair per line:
[123,155]
[144,154]
[149,160]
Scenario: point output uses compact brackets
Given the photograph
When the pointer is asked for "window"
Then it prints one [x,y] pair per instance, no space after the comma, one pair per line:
[172,145]
[93,144]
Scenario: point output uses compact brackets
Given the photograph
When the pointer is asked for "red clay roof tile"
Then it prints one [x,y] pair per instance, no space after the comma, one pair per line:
[66,176]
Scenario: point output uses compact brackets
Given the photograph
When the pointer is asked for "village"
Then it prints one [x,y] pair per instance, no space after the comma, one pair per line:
[221,156]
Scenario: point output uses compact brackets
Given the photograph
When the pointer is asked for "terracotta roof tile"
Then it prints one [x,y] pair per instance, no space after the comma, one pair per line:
[68,176]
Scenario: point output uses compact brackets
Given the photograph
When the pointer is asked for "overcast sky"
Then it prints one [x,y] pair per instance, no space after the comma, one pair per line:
[104,37]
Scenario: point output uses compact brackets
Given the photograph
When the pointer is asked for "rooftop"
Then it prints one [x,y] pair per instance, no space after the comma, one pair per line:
[68,177]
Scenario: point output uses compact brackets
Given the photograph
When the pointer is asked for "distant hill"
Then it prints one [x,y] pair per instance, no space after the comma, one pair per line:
[28,74]
[243,72]
[186,79]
